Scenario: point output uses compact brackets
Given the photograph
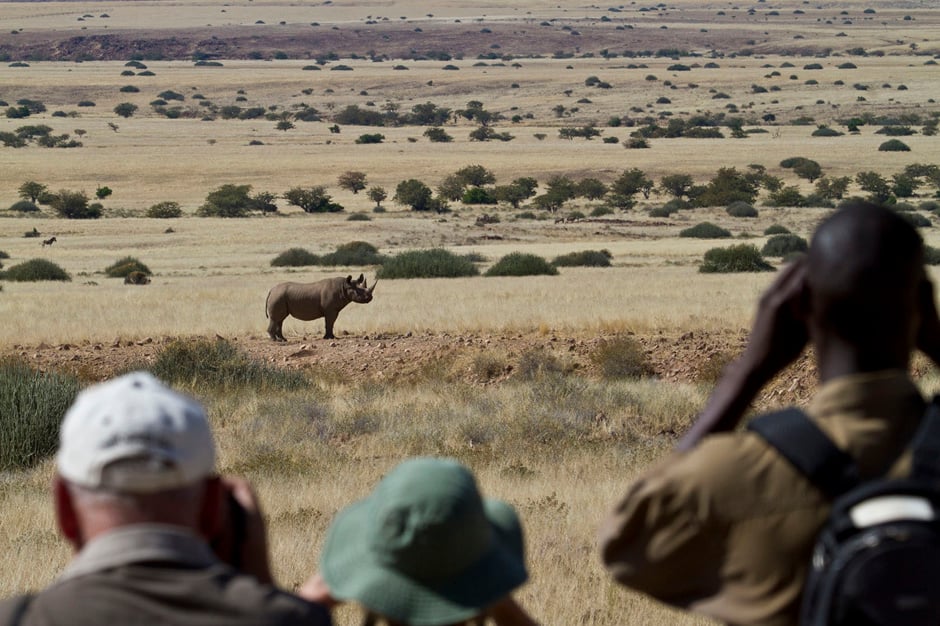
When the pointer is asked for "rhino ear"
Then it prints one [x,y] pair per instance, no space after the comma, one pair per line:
[361,280]
[349,280]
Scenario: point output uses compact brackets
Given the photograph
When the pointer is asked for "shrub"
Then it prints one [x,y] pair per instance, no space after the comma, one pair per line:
[706,230]
[584,258]
[31,407]
[740,258]
[24,206]
[776,229]
[353,253]
[521,264]
[125,109]
[167,209]
[35,270]
[295,257]
[433,263]
[122,267]
[894,145]
[622,357]
[784,245]
[359,217]
[740,208]
[917,220]
[74,205]
[931,255]
[217,364]
[370,138]
[825,131]
[929,205]
[601,211]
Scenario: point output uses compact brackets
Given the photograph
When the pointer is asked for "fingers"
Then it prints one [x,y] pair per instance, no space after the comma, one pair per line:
[245,523]
[316,590]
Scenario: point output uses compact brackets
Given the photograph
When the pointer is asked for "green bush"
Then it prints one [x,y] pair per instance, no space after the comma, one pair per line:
[165,210]
[744,257]
[929,205]
[584,258]
[295,257]
[601,211]
[4,255]
[705,230]
[521,264]
[433,263]
[122,267]
[353,253]
[776,229]
[31,407]
[784,245]
[358,217]
[622,357]
[739,208]
[894,145]
[35,270]
[217,364]
[24,206]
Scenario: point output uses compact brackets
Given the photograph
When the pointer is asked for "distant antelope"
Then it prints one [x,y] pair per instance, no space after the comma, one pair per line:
[49,241]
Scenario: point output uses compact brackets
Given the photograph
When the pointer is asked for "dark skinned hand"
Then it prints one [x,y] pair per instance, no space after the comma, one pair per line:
[777,338]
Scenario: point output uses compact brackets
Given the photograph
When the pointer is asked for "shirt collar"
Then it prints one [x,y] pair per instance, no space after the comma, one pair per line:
[869,394]
[140,543]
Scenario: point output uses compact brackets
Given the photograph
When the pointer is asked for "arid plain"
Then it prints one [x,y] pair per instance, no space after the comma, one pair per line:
[499,372]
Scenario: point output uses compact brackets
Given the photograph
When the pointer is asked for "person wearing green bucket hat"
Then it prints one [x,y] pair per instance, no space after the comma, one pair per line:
[425,549]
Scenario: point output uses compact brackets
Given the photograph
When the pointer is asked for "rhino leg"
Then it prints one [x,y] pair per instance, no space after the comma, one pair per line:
[329,321]
[275,331]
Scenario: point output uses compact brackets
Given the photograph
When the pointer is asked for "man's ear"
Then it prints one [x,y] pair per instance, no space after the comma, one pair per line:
[211,512]
[65,514]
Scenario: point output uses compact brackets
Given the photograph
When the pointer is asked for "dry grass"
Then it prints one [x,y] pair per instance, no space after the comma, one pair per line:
[537,443]
[534,444]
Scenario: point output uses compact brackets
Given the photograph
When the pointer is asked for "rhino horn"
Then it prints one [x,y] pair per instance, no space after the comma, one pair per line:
[371,289]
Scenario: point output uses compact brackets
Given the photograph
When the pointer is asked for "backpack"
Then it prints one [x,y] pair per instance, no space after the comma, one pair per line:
[876,561]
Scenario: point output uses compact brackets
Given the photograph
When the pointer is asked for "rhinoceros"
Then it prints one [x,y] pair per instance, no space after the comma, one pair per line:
[309,301]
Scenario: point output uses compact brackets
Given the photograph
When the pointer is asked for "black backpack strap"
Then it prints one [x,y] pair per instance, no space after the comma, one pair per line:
[21,605]
[801,442]
[926,444]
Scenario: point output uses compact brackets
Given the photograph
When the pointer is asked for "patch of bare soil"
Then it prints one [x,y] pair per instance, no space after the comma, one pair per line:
[475,358]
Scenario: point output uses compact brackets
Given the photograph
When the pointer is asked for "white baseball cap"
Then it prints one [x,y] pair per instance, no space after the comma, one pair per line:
[134,434]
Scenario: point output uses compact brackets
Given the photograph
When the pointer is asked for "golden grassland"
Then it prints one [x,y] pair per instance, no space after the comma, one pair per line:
[560,448]
[212,275]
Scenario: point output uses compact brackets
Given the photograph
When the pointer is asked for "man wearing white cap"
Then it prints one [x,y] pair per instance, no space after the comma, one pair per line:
[137,497]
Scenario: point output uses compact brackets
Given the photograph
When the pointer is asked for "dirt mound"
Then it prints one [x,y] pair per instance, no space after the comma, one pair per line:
[476,358]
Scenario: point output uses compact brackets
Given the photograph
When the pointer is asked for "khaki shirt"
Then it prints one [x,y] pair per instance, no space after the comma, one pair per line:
[727,529]
[151,574]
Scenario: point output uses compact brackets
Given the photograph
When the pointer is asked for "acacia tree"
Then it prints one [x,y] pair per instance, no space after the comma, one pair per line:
[627,185]
[353,181]
[125,109]
[878,188]
[676,185]
[377,194]
[312,199]
[475,175]
[32,191]
[74,205]
[414,193]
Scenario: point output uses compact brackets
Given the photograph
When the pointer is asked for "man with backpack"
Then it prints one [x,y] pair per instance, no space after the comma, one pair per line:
[726,525]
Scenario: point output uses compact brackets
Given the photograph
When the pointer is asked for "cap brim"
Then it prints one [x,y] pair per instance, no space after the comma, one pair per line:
[353,573]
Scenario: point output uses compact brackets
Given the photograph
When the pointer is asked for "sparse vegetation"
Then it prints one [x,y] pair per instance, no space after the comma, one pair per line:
[124,266]
[433,263]
[705,230]
[521,264]
[622,357]
[295,257]
[35,270]
[784,245]
[584,258]
[31,408]
[740,258]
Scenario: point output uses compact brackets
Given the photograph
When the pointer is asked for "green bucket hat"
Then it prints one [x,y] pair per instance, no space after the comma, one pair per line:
[424,548]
